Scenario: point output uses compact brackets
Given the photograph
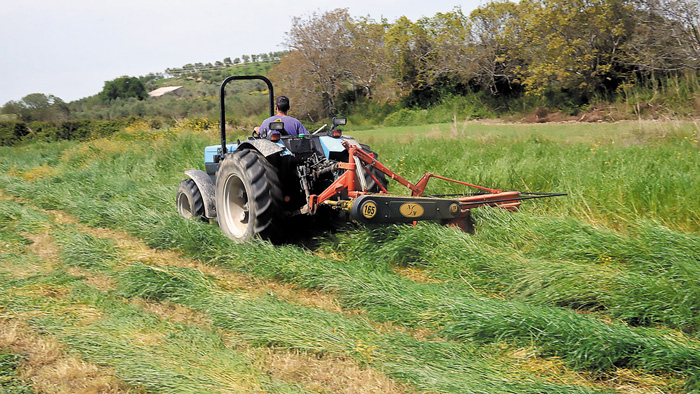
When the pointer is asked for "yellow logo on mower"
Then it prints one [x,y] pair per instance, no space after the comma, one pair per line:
[411,210]
[369,209]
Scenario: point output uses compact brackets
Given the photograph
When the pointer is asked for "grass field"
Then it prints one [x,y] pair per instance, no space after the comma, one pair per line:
[104,288]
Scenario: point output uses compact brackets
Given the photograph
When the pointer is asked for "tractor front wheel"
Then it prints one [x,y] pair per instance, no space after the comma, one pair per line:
[248,196]
[189,200]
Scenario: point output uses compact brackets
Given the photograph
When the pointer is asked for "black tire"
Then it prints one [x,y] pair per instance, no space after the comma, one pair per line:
[248,196]
[372,186]
[189,201]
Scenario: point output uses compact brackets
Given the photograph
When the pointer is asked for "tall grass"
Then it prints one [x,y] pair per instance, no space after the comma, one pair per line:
[154,354]
[647,277]
[613,178]
[147,352]
[429,365]
[623,244]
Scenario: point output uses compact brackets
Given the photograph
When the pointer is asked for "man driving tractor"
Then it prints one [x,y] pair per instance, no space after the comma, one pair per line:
[291,125]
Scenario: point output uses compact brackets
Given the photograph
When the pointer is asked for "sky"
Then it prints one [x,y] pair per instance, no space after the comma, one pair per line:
[70,48]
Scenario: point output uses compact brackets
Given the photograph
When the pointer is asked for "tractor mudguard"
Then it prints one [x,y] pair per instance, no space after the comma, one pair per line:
[384,208]
[265,147]
[207,189]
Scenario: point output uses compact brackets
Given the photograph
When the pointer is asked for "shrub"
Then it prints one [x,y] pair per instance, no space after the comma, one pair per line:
[12,132]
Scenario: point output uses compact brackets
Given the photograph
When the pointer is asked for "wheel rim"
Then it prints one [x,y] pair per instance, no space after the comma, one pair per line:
[237,213]
[184,206]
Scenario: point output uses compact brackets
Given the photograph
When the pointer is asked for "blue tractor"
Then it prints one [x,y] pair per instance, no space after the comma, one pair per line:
[257,187]
[253,187]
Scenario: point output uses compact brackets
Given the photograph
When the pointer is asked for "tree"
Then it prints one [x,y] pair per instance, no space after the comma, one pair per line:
[409,50]
[320,46]
[493,53]
[571,45]
[236,61]
[123,87]
[666,36]
[38,107]
[227,61]
[245,58]
[367,59]
[292,80]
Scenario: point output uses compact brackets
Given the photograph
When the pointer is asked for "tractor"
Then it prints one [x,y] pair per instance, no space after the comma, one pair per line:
[256,187]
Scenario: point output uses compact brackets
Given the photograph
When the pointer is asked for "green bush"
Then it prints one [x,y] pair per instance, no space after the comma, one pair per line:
[407,117]
[12,132]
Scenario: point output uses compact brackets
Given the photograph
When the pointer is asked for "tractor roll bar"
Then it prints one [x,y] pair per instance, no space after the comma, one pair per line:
[222,107]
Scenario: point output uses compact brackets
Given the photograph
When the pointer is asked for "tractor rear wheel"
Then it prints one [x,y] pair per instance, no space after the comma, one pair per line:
[189,200]
[248,196]
[381,177]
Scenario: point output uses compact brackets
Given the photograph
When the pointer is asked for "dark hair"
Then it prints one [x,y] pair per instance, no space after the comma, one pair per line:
[282,104]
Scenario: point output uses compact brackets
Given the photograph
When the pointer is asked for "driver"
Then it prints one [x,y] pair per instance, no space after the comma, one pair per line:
[291,125]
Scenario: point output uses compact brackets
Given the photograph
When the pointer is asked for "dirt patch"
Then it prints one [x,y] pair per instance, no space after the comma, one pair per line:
[595,114]
[415,274]
[335,374]
[44,247]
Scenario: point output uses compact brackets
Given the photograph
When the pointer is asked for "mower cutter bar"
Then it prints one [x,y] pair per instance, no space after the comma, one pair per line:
[472,201]
[383,207]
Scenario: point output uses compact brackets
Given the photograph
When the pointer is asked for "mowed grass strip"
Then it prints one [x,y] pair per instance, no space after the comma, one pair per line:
[648,277]
[101,259]
[100,252]
[113,337]
[452,310]
[266,321]
[29,285]
[278,325]
[131,247]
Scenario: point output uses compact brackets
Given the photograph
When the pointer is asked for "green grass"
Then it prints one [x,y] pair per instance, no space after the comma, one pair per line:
[266,321]
[158,355]
[614,174]
[85,251]
[10,383]
[604,278]
[648,277]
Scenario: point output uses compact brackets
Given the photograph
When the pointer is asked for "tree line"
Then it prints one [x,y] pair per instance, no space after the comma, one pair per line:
[573,50]
[227,62]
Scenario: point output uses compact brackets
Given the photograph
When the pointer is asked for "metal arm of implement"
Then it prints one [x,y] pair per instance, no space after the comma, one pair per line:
[449,210]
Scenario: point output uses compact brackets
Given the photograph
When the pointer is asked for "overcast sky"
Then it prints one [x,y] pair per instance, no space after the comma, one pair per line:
[70,48]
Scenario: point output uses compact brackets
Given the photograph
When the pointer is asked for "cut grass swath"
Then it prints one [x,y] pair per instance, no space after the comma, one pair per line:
[429,365]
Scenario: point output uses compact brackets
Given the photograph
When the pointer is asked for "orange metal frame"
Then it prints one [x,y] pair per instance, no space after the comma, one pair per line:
[347,181]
